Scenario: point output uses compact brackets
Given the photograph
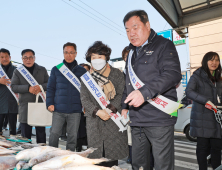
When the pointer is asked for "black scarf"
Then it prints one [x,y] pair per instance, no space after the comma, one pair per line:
[6,67]
[70,65]
[30,69]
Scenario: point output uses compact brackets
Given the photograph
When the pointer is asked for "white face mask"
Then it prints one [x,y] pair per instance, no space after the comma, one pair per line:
[98,64]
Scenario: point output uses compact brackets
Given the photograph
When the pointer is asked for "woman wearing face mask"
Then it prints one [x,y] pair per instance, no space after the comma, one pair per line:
[204,88]
[102,132]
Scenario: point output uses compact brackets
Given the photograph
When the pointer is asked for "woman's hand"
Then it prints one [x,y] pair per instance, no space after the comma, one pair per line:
[103,115]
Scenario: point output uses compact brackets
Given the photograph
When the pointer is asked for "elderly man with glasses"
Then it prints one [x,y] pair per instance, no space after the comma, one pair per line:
[27,93]
[63,97]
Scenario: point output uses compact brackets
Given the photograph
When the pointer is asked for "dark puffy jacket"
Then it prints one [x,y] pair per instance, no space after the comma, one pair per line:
[8,104]
[158,67]
[201,89]
[62,94]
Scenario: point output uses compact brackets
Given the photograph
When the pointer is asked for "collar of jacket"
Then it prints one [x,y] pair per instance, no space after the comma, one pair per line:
[201,72]
[5,67]
[150,39]
[73,64]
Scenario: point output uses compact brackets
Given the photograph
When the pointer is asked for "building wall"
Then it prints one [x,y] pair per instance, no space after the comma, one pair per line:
[203,38]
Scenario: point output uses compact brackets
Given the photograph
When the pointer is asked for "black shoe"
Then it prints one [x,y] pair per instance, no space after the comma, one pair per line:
[129,160]
[18,132]
[63,138]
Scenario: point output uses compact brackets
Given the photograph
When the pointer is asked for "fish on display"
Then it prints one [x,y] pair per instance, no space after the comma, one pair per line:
[86,152]
[4,151]
[6,143]
[60,161]
[85,167]
[30,145]
[20,165]
[7,162]
[49,155]
[28,154]
[16,148]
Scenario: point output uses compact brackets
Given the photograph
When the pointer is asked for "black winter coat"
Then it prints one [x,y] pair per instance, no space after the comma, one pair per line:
[158,67]
[8,103]
[201,89]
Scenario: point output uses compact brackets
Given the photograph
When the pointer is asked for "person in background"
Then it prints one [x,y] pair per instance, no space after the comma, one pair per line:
[102,132]
[125,53]
[205,89]
[28,93]
[82,135]
[63,99]
[8,103]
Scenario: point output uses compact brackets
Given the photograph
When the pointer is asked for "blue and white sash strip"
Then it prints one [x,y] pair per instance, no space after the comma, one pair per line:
[70,77]
[30,79]
[2,74]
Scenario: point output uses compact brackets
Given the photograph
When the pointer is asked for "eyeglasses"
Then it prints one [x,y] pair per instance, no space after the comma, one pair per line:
[72,53]
[28,58]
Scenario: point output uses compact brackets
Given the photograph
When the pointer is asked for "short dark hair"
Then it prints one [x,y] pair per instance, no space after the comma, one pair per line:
[209,56]
[124,52]
[98,48]
[3,50]
[86,65]
[140,13]
[27,50]
[70,44]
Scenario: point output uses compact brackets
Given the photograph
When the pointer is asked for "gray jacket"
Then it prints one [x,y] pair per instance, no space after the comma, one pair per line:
[101,132]
[202,121]
[21,86]
[8,104]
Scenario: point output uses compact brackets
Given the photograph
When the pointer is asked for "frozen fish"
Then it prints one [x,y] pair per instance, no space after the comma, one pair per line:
[60,161]
[28,154]
[48,155]
[7,162]
[4,151]
[6,143]
[20,165]
[30,145]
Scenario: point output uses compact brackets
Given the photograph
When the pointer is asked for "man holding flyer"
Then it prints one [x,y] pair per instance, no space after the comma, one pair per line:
[8,99]
[63,97]
[152,73]
[25,81]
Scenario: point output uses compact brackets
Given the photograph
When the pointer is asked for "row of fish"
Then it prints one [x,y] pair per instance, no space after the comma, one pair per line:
[39,157]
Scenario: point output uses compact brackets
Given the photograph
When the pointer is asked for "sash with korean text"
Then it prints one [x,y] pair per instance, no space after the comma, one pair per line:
[2,74]
[100,97]
[30,79]
[162,103]
[69,75]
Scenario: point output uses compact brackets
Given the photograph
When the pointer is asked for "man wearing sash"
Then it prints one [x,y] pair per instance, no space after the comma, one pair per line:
[22,82]
[63,97]
[152,70]
[8,103]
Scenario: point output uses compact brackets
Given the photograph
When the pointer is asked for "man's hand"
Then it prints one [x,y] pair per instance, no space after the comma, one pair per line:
[34,89]
[103,115]
[5,81]
[124,113]
[31,90]
[51,108]
[37,89]
[136,98]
